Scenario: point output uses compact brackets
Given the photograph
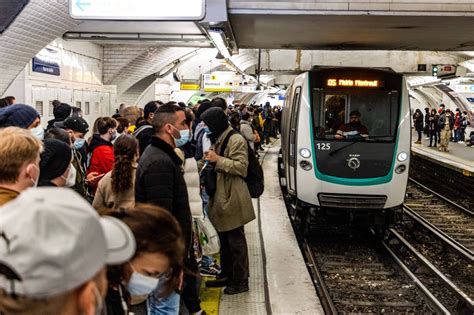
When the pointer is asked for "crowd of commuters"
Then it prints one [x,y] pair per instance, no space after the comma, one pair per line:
[101,219]
[442,126]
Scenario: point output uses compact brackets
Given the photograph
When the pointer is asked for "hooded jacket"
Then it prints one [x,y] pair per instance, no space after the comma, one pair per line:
[101,156]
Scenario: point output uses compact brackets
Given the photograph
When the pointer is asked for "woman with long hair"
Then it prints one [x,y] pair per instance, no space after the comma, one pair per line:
[156,267]
[116,189]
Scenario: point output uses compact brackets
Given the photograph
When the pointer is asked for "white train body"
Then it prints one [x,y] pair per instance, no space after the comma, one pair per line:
[351,173]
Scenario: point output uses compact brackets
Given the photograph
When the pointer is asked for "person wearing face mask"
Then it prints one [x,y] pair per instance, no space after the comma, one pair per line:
[19,162]
[156,267]
[116,189]
[101,150]
[77,128]
[53,254]
[55,166]
[160,182]
[354,129]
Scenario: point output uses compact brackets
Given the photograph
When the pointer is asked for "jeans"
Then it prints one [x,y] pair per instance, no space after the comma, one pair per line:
[457,135]
[164,306]
[433,134]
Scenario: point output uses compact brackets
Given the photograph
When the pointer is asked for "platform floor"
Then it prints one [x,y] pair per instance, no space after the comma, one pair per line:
[279,280]
[459,156]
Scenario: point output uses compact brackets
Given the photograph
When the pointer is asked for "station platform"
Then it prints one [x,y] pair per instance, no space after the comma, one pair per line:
[460,158]
[279,281]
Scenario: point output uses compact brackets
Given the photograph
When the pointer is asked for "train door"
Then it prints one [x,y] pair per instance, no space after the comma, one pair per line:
[292,140]
[51,95]
[65,96]
[104,106]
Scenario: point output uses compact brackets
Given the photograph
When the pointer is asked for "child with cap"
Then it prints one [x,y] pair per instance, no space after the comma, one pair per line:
[53,252]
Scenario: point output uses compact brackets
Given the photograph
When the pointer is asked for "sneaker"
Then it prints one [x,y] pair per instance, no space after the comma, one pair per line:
[210,271]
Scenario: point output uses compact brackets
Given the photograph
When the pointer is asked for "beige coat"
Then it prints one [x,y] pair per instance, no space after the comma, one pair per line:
[231,207]
[106,198]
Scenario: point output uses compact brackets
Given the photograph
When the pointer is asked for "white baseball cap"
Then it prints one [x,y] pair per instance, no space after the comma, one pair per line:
[52,241]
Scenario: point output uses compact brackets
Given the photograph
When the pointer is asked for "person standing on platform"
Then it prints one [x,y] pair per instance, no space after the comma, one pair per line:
[144,131]
[464,123]
[231,206]
[160,182]
[446,124]
[433,127]
[418,122]
[426,129]
[457,125]
[19,162]
[441,111]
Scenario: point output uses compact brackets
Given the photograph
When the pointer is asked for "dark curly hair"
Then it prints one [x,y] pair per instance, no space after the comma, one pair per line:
[125,151]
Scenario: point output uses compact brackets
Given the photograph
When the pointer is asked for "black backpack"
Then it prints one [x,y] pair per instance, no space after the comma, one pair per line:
[254,178]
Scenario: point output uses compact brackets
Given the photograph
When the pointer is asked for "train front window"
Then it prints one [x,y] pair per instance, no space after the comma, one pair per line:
[355,115]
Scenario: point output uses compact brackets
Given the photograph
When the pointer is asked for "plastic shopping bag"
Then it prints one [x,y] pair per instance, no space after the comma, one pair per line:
[208,238]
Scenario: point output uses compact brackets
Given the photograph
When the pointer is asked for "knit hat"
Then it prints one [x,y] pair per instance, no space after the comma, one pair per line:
[77,124]
[202,108]
[55,159]
[216,120]
[62,111]
[18,115]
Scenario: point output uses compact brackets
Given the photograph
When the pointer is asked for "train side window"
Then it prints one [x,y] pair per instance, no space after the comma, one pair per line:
[293,122]
[334,110]
[88,108]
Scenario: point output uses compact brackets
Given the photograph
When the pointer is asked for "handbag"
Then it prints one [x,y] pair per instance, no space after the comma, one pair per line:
[208,237]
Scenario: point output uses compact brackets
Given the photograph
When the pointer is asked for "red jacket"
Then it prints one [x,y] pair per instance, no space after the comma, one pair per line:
[102,157]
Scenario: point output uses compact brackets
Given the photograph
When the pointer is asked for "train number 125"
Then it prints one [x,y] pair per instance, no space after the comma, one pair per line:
[323,146]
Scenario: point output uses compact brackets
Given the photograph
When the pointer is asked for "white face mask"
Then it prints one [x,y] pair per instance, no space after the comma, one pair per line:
[140,285]
[35,181]
[38,132]
[71,177]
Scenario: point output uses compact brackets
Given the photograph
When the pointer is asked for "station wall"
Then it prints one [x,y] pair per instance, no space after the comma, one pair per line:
[79,82]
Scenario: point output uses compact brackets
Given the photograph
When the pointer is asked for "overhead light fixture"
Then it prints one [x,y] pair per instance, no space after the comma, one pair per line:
[218,38]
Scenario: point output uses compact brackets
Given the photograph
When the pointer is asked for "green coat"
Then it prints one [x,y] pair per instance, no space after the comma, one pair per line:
[231,207]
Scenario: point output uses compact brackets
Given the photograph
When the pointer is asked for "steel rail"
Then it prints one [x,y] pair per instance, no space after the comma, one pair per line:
[434,303]
[452,203]
[440,235]
[448,283]
[321,287]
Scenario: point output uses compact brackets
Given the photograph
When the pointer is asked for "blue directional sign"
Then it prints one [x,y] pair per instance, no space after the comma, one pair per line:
[150,10]
[47,61]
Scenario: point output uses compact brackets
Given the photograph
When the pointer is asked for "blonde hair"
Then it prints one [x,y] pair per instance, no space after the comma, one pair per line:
[17,148]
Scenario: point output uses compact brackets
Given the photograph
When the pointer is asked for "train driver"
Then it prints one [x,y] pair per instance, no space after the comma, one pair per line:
[354,129]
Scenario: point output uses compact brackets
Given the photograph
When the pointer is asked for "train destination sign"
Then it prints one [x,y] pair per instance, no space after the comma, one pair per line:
[353,83]
[151,10]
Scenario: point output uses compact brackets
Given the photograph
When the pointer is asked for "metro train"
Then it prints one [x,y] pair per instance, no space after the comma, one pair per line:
[332,163]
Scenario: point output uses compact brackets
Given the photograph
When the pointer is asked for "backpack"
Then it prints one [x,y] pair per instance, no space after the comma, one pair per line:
[254,178]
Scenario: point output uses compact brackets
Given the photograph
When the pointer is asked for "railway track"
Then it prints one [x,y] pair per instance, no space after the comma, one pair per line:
[363,275]
[450,223]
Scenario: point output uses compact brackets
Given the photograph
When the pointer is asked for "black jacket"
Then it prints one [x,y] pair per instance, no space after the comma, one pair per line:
[160,182]
[442,121]
[144,133]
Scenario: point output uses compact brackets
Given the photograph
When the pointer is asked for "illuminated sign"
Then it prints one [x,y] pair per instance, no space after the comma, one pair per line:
[190,86]
[137,9]
[353,83]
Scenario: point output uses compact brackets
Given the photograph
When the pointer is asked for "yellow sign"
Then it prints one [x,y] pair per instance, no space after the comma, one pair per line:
[353,83]
[190,86]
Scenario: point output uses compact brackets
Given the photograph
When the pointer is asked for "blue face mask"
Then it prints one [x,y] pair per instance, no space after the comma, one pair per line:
[79,143]
[185,135]
[140,285]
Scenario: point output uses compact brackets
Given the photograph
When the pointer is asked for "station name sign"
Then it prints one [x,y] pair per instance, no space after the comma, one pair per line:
[149,10]
[353,83]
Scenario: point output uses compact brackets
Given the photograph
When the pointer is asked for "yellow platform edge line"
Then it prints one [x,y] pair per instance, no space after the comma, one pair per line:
[210,298]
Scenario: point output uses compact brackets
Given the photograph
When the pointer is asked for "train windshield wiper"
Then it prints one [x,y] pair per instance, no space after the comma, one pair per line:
[342,148]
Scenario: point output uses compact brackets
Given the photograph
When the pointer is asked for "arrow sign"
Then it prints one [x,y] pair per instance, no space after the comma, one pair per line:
[136,10]
[79,4]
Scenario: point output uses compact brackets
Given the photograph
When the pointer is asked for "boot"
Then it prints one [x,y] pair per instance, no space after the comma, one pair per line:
[237,287]
[218,283]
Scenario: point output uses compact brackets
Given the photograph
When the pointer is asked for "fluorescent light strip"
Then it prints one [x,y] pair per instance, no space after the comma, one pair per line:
[218,40]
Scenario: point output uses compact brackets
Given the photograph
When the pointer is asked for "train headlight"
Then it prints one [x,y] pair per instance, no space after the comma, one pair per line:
[306,153]
[306,165]
[400,168]
[402,156]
